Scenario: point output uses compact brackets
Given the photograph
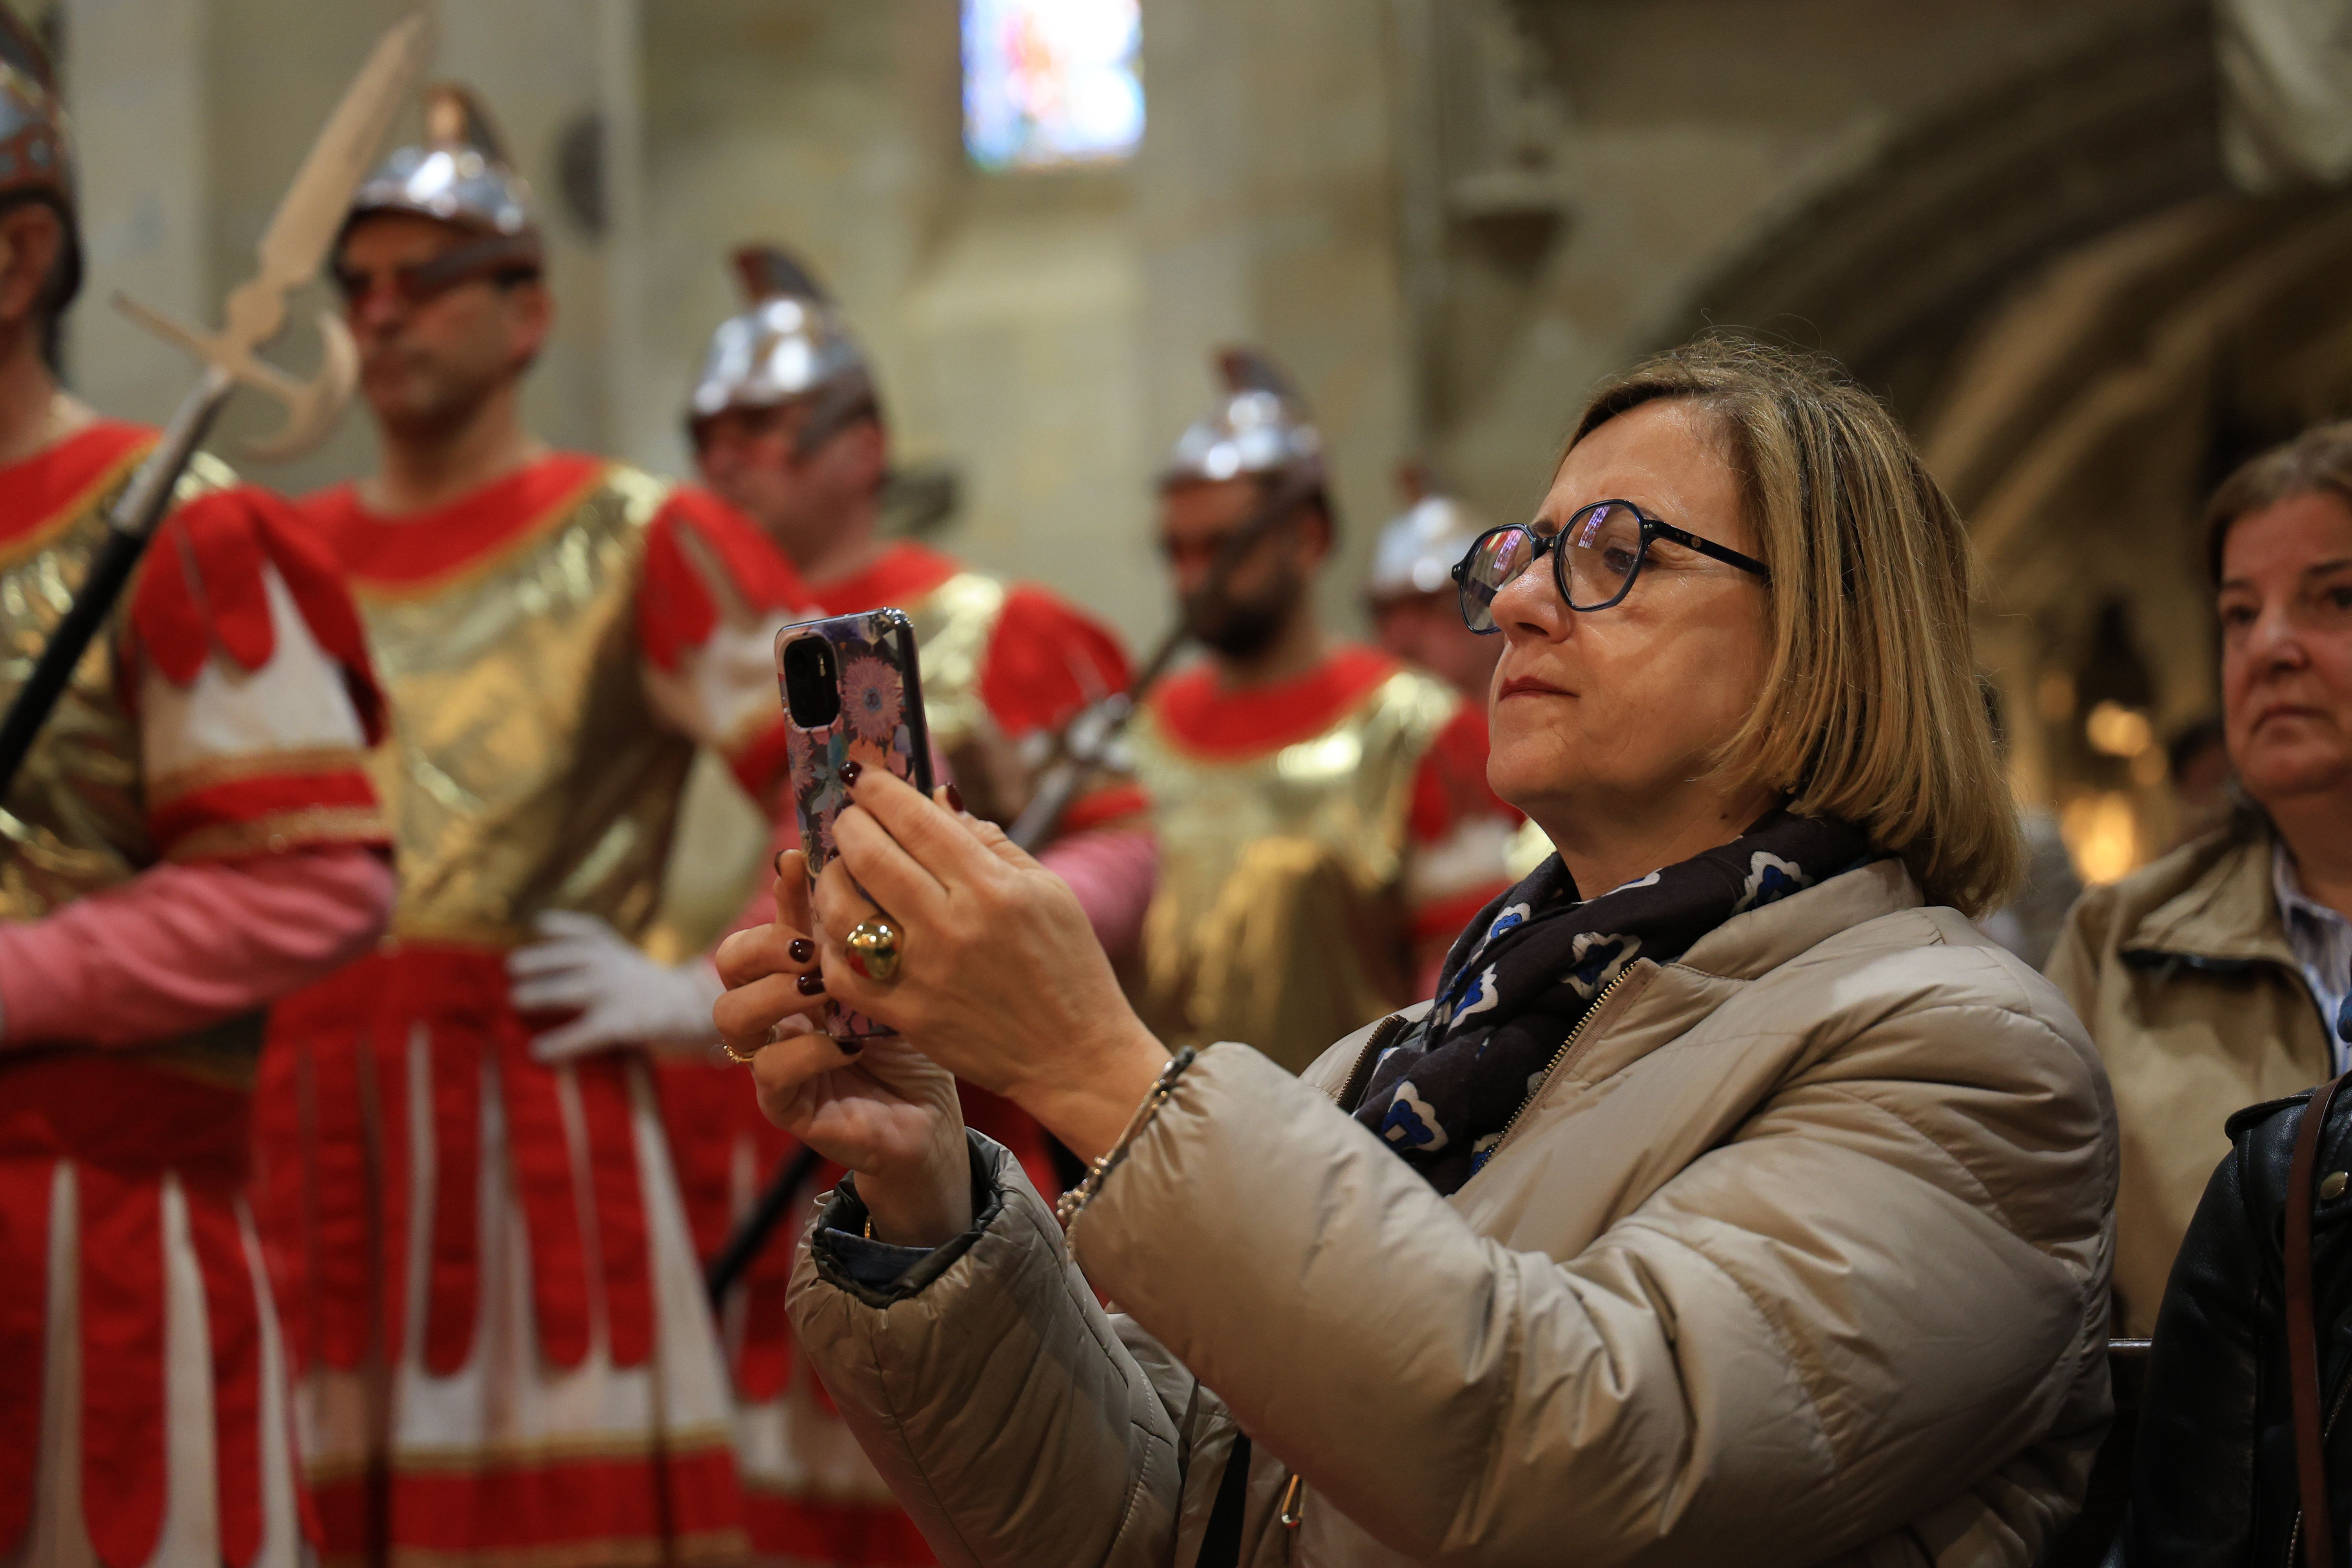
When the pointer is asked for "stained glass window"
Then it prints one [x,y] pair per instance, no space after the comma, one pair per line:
[1049,82]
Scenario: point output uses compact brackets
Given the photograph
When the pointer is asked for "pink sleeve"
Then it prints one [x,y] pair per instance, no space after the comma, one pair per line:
[181,946]
[1114,871]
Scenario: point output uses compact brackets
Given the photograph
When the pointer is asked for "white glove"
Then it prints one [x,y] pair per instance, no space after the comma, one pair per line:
[625,997]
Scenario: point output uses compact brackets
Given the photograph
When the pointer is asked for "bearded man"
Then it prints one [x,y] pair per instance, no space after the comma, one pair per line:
[788,424]
[1324,821]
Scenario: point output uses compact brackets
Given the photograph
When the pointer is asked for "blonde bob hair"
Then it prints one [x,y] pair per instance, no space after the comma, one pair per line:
[1870,708]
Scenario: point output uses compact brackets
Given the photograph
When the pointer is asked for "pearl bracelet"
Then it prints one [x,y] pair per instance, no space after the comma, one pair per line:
[1066,1207]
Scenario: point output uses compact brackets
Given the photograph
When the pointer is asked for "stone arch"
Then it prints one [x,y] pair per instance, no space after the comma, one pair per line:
[1889,262]
[2080,429]
[2053,283]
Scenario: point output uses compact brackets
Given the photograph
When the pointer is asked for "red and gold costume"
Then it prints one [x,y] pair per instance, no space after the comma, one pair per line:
[214,737]
[488,1271]
[1312,834]
[1004,666]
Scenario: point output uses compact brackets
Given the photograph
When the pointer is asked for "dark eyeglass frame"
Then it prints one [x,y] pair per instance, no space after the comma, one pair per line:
[1549,545]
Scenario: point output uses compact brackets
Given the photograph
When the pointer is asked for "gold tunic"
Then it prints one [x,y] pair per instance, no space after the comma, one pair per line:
[953,623]
[525,770]
[1280,918]
[76,816]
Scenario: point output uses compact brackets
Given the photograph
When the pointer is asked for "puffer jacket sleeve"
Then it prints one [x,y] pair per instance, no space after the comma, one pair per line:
[1784,1352]
[1015,1423]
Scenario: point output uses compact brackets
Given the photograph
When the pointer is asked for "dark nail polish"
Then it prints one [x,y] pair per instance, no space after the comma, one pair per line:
[812,983]
[780,862]
[849,1047]
[801,950]
[850,770]
[955,798]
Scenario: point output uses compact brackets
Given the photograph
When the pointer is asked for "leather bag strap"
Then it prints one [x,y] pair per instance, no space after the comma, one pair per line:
[1221,1544]
[2303,1335]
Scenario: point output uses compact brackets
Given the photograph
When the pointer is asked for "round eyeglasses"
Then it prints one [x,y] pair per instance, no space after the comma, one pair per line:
[1594,559]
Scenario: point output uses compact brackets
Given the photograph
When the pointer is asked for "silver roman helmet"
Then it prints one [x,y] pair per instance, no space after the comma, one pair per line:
[1261,429]
[459,176]
[35,152]
[789,342]
[1418,548]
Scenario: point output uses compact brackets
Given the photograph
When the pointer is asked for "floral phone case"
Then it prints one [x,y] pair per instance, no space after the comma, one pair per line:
[852,691]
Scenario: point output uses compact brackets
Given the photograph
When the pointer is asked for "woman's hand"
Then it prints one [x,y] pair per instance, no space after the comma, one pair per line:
[883,1110]
[1000,978]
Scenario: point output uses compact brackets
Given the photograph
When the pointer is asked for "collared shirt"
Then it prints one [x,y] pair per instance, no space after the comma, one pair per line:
[2322,940]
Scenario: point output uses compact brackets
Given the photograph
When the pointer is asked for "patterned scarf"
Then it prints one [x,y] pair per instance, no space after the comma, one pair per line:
[1530,966]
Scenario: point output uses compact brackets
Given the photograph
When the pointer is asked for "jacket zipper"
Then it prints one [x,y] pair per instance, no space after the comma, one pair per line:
[1359,1076]
[2295,1536]
[1559,1058]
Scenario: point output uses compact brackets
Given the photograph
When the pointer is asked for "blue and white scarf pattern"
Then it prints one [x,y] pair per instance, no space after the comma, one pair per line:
[1533,962]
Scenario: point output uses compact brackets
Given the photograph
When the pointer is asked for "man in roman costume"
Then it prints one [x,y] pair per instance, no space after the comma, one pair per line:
[507,1358]
[1324,821]
[787,424]
[193,836]
[1416,613]
[1416,609]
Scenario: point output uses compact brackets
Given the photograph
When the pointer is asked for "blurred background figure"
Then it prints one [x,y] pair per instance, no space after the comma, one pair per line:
[787,424]
[191,836]
[1040,214]
[1416,609]
[2198,764]
[1302,786]
[505,1350]
[2217,977]
[2029,925]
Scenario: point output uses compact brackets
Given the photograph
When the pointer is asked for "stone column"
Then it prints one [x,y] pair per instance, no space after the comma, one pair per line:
[135,83]
[543,68]
[1265,194]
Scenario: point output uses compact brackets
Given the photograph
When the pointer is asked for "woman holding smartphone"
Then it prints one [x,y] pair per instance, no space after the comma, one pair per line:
[1735,1199]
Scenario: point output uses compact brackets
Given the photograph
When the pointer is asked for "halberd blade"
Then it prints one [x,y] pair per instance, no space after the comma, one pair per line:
[314,205]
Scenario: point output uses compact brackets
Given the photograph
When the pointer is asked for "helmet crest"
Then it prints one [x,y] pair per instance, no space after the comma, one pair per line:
[789,341]
[458,174]
[1260,429]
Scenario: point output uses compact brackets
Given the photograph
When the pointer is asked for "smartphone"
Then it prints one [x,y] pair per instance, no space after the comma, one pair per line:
[853,690]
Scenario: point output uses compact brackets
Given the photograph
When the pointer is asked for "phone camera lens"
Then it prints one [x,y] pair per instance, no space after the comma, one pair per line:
[812,682]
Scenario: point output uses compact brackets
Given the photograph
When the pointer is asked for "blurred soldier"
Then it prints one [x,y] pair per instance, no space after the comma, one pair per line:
[1301,786]
[1416,613]
[787,426]
[193,836]
[1415,609]
[506,1352]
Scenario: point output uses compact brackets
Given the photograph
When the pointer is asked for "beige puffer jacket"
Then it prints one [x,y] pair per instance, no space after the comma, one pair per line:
[1798,1254]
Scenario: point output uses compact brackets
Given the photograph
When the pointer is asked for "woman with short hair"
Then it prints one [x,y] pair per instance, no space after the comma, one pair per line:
[1735,1199]
[2215,977]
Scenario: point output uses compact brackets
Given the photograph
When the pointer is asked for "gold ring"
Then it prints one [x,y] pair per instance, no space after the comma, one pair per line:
[775,1036]
[873,945]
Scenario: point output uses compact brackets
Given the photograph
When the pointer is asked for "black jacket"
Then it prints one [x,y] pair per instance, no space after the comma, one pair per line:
[2213,1477]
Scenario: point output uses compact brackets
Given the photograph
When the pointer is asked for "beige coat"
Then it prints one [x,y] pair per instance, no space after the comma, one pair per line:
[2183,975]
[1799,1255]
